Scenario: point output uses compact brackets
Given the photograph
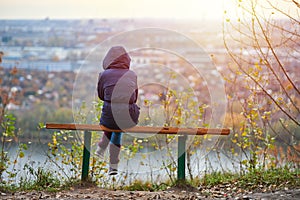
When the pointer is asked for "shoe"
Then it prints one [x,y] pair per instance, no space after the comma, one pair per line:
[100,152]
[113,169]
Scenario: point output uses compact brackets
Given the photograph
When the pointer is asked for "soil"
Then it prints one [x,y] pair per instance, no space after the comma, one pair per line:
[184,193]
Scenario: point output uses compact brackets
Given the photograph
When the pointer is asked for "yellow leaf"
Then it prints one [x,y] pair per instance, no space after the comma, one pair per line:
[232,150]
[54,140]
[244,162]
[279,99]
[258,67]
[289,87]
[244,134]
[21,154]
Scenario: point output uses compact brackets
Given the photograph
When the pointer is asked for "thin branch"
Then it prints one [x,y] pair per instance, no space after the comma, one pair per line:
[274,54]
[260,86]
[284,13]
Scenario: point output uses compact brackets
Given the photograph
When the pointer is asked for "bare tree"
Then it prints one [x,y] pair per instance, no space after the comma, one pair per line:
[264,45]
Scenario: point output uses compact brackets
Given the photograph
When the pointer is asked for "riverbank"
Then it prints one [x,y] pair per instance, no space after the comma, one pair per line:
[280,183]
[218,192]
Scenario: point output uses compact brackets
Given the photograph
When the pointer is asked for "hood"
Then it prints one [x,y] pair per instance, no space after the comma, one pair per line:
[116,58]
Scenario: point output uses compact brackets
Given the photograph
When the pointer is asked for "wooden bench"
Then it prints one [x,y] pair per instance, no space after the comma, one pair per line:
[181,132]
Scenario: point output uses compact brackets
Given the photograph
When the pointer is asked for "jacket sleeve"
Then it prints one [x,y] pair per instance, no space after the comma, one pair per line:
[100,88]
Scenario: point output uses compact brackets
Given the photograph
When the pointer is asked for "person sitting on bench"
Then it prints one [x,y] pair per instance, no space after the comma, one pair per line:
[117,87]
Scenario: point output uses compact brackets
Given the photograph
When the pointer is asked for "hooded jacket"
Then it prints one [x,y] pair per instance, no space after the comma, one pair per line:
[117,87]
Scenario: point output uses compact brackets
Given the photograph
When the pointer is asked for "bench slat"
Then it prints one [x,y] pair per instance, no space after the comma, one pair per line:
[142,129]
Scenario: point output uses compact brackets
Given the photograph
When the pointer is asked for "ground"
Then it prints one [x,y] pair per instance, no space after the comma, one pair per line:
[188,193]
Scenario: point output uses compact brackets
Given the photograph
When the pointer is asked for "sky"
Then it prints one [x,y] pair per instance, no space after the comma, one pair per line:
[66,9]
[82,9]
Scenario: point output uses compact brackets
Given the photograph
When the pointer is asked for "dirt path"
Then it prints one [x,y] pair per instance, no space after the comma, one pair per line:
[172,193]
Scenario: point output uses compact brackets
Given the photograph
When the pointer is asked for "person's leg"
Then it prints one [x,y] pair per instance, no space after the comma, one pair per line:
[105,140]
[102,145]
[114,152]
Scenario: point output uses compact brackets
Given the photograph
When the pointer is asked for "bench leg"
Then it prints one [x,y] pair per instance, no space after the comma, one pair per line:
[181,158]
[86,156]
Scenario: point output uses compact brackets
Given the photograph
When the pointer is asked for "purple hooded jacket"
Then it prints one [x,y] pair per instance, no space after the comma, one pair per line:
[117,87]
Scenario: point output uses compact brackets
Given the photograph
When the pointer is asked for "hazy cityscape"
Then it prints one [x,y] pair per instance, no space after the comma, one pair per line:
[49,50]
[58,45]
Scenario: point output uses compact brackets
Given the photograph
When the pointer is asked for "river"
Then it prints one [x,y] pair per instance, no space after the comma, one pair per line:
[147,164]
